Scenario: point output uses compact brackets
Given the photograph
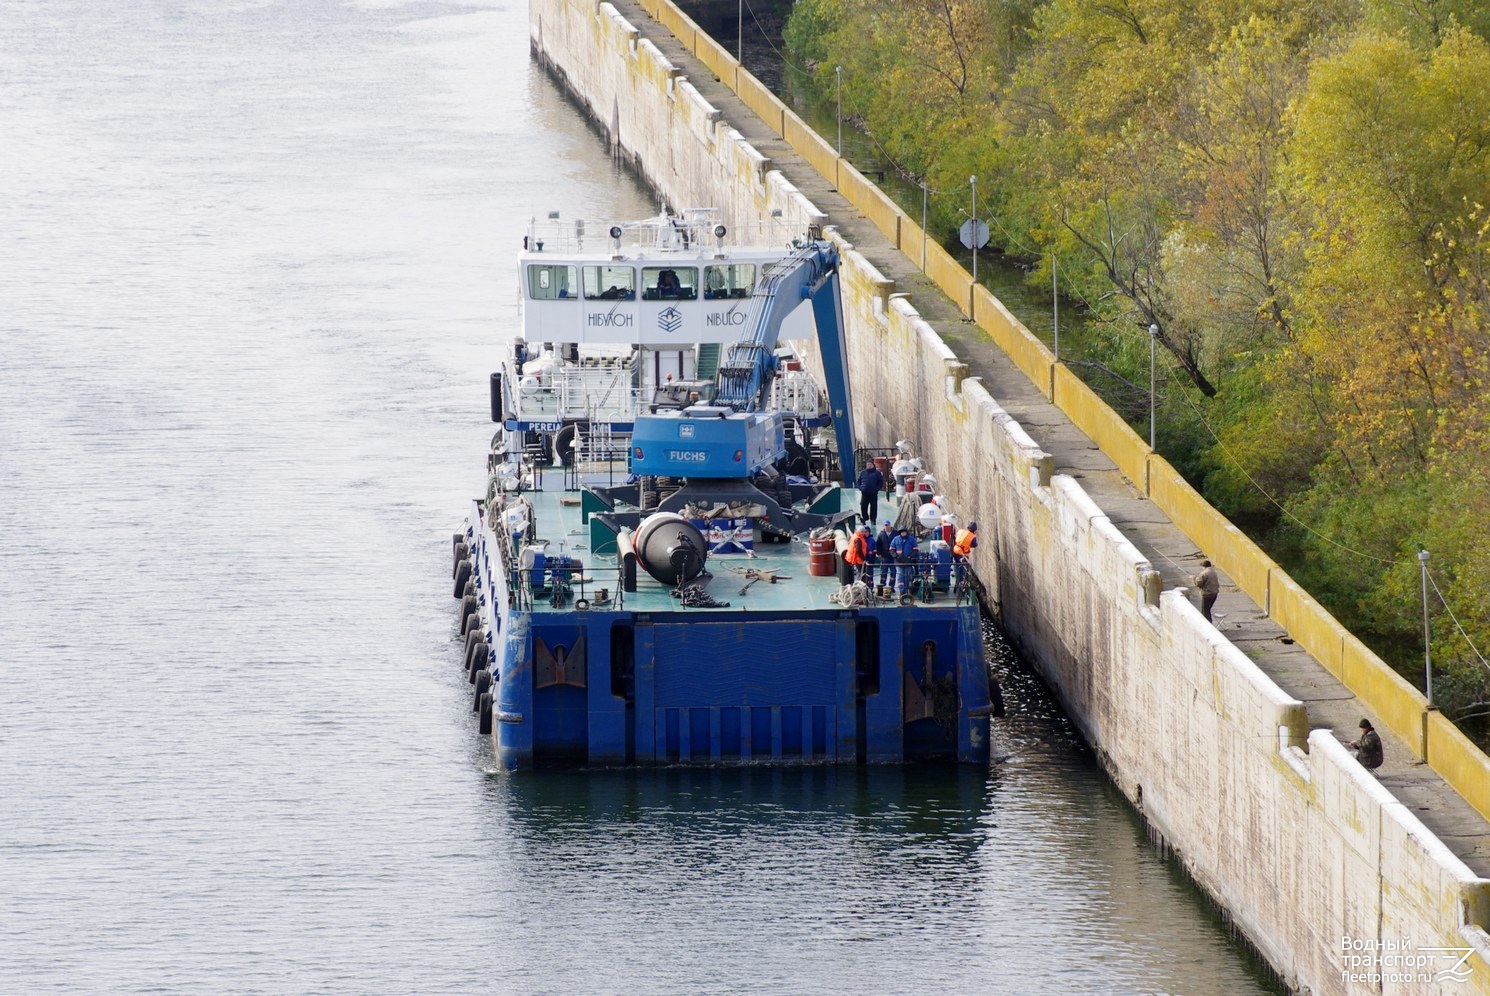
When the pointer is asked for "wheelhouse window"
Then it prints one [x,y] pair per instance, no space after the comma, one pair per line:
[610,283]
[733,280]
[551,282]
[669,283]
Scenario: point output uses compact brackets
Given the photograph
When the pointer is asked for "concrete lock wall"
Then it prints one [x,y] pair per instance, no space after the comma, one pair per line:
[1280,826]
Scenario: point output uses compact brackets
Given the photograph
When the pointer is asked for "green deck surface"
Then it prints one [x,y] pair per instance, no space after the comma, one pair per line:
[557,518]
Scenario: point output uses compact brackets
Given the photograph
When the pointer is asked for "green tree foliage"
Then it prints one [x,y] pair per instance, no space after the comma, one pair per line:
[1427,22]
[1391,146]
[1296,195]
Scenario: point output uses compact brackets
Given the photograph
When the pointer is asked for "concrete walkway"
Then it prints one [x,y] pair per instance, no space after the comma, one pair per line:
[1331,704]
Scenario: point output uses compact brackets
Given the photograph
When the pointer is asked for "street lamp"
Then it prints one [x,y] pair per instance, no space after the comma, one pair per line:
[923,222]
[1055,307]
[838,70]
[739,32]
[973,182]
[1427,647]
[1153,339]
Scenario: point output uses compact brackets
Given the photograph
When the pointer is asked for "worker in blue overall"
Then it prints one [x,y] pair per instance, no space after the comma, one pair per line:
[883,553]
[907,551]
[871,482]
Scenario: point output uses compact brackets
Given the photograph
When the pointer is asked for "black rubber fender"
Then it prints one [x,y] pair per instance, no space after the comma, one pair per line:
[469,606]
[457,539]
[462,575]
[470,588]
[483,685]
[471,622]
[474,635]
[996,698]
[478,661]
[484,709]
[462,552]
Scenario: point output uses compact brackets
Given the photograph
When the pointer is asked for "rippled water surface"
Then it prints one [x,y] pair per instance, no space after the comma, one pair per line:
[255,271]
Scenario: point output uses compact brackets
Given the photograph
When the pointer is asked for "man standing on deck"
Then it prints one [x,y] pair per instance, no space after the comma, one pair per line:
[907,550]
[871,482]
[966,540]
[882,552]
[858,554]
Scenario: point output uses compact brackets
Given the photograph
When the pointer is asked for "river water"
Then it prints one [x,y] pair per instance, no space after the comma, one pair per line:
[254,276]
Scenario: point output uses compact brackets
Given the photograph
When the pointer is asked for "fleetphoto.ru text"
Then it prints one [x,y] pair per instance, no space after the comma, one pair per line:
[1400,961]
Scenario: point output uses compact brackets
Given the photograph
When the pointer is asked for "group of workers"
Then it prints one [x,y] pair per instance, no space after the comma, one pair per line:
[897,552]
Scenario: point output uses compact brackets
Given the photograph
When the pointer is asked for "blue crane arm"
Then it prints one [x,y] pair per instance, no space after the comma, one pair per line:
[749,366]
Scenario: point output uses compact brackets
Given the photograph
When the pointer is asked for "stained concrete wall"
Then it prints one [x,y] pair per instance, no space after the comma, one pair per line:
[1281,826]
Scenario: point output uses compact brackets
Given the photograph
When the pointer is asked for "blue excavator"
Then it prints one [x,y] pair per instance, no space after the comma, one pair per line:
[729,450]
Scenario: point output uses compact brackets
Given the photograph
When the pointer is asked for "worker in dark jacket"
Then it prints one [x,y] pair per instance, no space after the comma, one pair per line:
[871,482]
[907,551]
[882,552]
[1367,747]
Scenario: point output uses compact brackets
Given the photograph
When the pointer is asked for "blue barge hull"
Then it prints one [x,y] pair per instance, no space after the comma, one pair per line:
[783,674]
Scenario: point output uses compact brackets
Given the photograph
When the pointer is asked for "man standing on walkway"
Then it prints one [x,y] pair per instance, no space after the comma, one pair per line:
[1367,747]
[1209,583]
[871,482]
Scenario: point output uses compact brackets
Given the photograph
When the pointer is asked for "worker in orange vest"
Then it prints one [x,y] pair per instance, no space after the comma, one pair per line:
[857,553]
[966,540]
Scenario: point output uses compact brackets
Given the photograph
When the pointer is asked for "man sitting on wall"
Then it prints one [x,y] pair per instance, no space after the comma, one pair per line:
[1367,747]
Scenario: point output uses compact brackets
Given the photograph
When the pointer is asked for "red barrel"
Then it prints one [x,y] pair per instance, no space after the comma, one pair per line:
[822,558]
[883,465]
